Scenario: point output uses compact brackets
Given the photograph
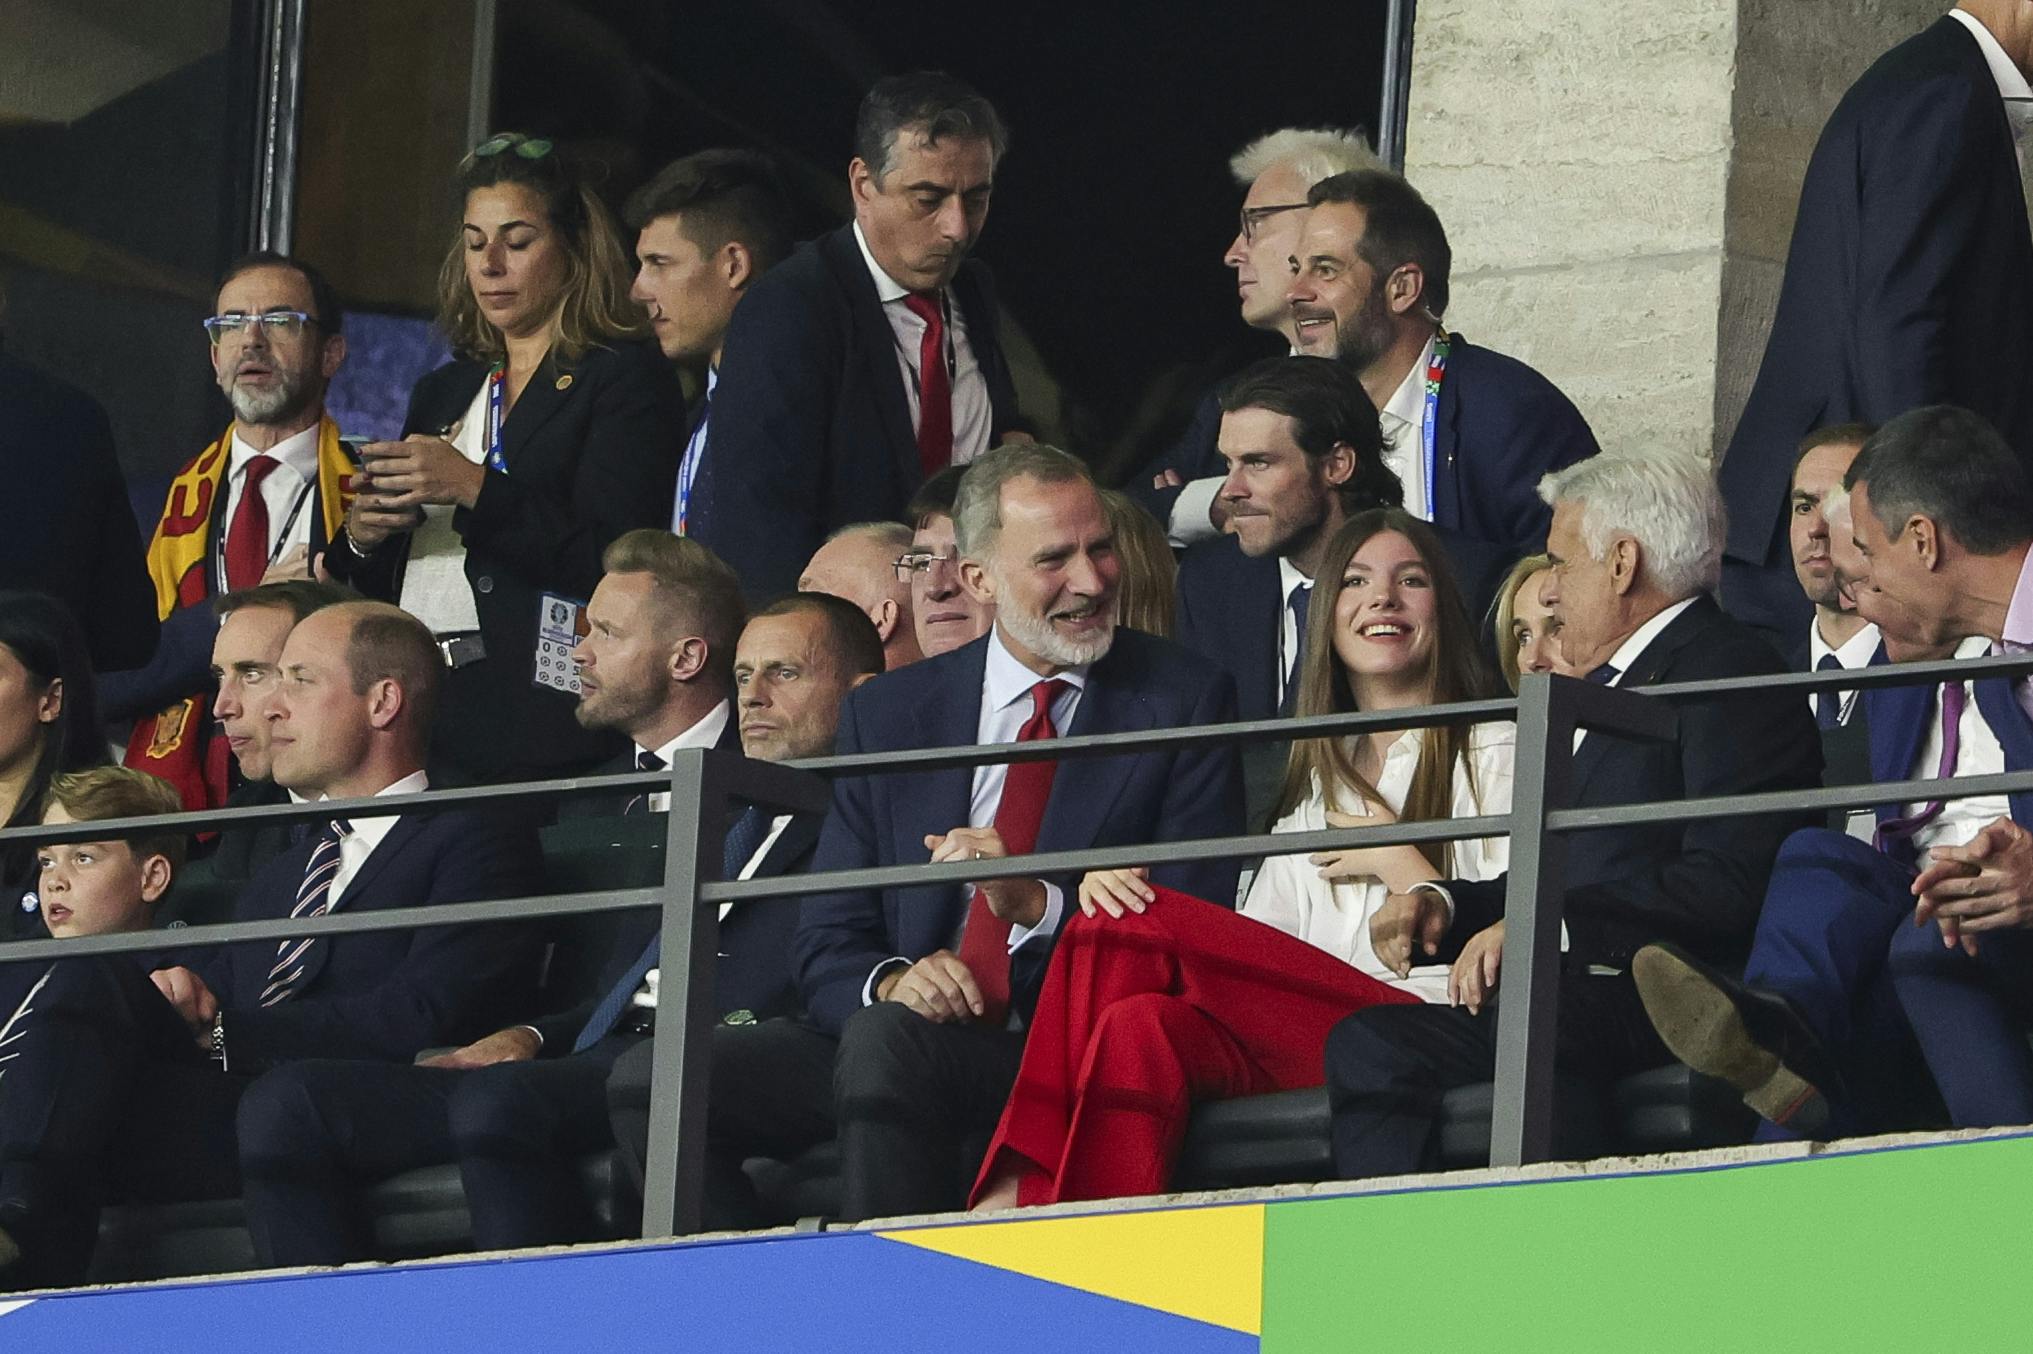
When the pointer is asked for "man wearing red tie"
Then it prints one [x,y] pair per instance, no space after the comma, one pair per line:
[868,360]
[916,998]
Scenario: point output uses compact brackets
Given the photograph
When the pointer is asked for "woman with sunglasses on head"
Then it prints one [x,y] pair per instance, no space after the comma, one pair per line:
[1155,1000]
[554,430]
[49,724]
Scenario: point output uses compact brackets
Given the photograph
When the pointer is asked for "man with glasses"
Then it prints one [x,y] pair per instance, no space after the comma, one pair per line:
[1182,486]
[869,564]
[945,614]
[1468,432]
[251,508]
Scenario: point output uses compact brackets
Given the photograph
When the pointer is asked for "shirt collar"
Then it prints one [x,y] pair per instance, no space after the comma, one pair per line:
[887,288]
[298,451]
[704,734]
[1407,403]
[1854,652]
[2018,632]
[1289,577]
[1641,638]
[1006,680]
[2011,81]
[712,379]
[369,831]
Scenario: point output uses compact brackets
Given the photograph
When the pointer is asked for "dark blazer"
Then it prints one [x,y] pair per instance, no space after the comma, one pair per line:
[386,995]
[1143,683]
[1909,280]
[1700,884]
[1195,456]
[1230,609]
[811,424]
[65,525]
[592,449]
[1901,718]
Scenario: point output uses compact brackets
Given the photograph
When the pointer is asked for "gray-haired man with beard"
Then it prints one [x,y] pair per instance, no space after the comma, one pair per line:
[915,997]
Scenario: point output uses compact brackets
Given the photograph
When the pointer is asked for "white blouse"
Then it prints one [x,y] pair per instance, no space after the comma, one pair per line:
[1289,893]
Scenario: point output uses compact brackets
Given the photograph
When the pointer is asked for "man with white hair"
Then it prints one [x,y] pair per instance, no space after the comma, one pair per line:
[916,998]
[1182,486]
[859,563]
[1635,543]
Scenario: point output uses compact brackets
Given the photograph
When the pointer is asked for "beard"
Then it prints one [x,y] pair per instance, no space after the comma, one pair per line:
[279,402]
[619,705]
[1036,634]
[1368,333]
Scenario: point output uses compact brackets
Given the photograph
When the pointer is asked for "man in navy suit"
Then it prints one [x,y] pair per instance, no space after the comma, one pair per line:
[1468,432]
[1635,543]
[1909,280]
[1182,485]
[707,227]
[1821,1033]
[915,997]
[352,718]
[869,359]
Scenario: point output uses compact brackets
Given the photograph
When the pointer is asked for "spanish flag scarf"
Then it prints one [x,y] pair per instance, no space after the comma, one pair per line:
[173,744]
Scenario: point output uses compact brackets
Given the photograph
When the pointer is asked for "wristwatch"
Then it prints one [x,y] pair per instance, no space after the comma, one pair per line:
[219,1039]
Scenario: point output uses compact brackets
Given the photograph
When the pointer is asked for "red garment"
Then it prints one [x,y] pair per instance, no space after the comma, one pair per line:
[1144,1014]
[984,941]
[247,533]
[935,385]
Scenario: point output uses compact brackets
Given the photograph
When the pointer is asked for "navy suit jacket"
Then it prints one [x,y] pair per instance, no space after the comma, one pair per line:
[811,424]
[1230,611]
[1909,280]
[387,995]
[1900,720]
[1143,683]
[1700,884]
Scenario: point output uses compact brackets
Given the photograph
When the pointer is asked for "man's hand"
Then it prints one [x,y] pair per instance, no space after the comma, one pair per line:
[1405,920]
[1473,979]
[1116,891]
[187,992]
[516,1044]
[1168,479]
[938,987]
[295,563]
[1020,902]
[1984,885]
[420,470]
[374,515]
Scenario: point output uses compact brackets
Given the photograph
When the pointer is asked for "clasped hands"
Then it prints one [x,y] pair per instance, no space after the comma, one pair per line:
[940,987]
[398,479]
[1983,885]
[1419,920]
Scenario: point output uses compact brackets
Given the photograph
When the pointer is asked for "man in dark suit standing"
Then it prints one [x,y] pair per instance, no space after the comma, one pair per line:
[1909,280]
[351,721]
[915,997]
[1468,432]
[869,359]
[1635,543]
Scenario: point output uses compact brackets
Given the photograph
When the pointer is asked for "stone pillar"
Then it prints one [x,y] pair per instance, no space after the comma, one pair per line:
[1619,181]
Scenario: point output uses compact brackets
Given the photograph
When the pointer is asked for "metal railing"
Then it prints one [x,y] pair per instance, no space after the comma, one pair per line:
[706,784]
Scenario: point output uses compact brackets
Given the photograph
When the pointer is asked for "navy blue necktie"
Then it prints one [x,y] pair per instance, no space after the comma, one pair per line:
[645,760]
[1298,603]
[744,835]
[1605,674]
[1828,704]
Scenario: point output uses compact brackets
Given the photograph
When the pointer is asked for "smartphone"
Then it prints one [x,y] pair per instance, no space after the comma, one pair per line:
[350,444]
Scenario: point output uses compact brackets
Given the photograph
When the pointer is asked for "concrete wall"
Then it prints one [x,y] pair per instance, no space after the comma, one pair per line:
[1619,182]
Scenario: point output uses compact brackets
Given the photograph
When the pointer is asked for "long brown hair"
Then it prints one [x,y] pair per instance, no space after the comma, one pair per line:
[1456,671]
[593,309]
[1147,598]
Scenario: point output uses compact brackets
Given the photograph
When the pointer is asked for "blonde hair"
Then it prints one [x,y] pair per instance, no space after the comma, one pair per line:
[104,792]
[1148,596]
[1504,614]
[593,308]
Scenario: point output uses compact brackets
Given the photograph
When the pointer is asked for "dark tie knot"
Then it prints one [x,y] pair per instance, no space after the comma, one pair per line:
[1604,674]
[341,827]
[1829,663]
[650,761]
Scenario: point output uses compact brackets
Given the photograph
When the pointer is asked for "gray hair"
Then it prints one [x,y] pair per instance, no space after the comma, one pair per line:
[977,510]
[1665,500]
[1313,153]
[892,536]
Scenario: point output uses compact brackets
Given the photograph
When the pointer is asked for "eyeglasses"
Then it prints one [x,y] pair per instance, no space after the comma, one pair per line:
[275,323]
[1252,217]
[920,562]
[528,147]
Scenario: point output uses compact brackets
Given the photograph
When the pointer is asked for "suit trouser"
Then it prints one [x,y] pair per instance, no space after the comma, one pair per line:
[1144,1014]
[1832,908]
[313,1134]
[1388,1067]
[1970,1015]
[911,1103]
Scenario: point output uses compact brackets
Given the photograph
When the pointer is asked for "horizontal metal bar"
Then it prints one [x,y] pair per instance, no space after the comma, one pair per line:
[1848,679]
[1868,795]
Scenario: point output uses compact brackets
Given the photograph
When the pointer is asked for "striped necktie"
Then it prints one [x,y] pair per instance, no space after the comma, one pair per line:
[313,899]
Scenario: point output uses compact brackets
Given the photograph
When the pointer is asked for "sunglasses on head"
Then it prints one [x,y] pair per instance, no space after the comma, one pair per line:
[528,147]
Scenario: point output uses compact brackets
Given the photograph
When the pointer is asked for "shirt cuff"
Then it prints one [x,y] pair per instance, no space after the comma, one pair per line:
[1048,925]
[1190,522]
[537,1032]
[1445,896]
[875,976]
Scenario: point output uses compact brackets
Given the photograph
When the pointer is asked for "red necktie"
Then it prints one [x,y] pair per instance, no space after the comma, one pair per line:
[935,386]
[247,533]
[984,945]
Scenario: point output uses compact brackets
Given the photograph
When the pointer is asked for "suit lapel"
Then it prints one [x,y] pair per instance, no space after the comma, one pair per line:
[1649,666]
[539,402]
[1257,584]
[1447,442]
[1084,789]
[2002,711]
[792,845]
[984,337]
[948,716]
[360,887]
[877,342]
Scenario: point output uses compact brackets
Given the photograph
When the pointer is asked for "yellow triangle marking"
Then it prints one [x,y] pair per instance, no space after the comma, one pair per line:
[1202,1263]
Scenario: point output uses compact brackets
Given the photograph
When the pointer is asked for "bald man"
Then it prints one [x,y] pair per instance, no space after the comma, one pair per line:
[858,563]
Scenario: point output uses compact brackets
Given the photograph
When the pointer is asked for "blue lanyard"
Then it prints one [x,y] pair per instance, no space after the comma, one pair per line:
[688,471]
[1436,370]
[497,381]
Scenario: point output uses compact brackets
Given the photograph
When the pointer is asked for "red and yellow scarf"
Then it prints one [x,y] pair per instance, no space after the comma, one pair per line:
[173,744]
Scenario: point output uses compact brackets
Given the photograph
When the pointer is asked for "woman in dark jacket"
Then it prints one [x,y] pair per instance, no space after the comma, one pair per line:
[552,432]
[49,723]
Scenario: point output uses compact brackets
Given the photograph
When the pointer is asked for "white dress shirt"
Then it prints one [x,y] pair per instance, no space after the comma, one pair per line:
[1627,652]
[1403,421]
[1289,577]
[435,588]
[368,833]
[705,733]
[2011,81]
[1854,653]
[1006,706]
[972,415]
[1289,893]
[289,488]
[1978,753]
